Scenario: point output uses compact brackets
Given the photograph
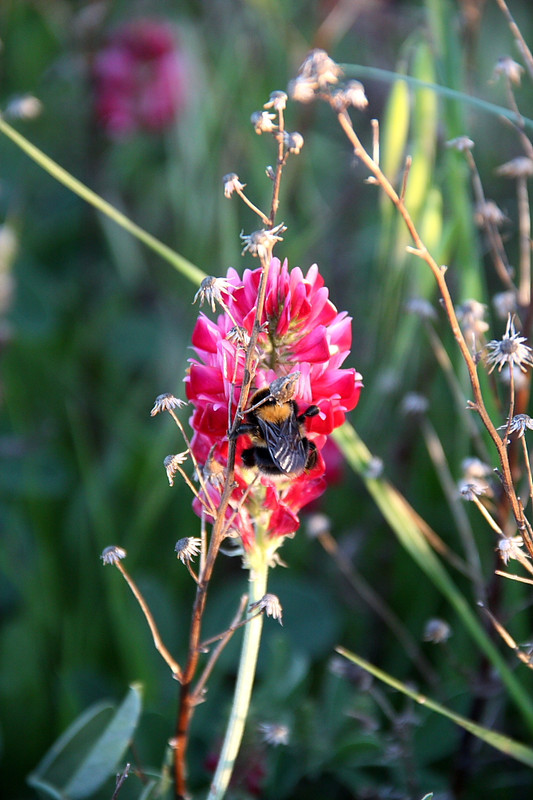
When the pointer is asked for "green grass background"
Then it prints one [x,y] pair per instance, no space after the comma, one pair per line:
[98,325]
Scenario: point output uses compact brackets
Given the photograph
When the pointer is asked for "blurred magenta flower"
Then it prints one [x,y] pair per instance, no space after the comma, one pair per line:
[302,332]
[139,79]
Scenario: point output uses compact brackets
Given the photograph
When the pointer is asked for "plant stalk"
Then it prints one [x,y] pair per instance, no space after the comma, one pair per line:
[245,678]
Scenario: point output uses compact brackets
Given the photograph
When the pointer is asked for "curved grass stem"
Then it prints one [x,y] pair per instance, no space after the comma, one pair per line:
[189,270]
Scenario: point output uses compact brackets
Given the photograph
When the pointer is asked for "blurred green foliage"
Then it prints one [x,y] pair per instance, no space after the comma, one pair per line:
[97,326]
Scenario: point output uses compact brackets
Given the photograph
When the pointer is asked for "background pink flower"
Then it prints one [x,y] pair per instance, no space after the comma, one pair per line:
[139,79]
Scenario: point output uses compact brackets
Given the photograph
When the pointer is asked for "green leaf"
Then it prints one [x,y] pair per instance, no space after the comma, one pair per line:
[375,73]
[88,752]
[497,740]
[46,788]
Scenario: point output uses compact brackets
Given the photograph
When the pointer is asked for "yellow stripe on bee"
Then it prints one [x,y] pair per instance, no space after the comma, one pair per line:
[274,414]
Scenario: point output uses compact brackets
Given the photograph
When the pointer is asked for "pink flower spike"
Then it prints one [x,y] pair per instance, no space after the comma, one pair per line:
[302,333]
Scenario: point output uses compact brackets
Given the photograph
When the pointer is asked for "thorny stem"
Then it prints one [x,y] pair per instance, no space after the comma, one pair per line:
[439,274]
[159,646]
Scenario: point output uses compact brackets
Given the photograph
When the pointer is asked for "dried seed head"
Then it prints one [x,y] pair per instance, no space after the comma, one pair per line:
[460,143]
[213,470]
[437,631]
[210,291]
[351,94]
[303,90]
[355,94]
[475,468]
[263,122]
[317,525]
[113,554]
[509,548]
[188,548]
[345,669]
[519,423]
[520,379]
[232,184]
[166,402]
[171,464]
[415,404]
[421,307]
[504,303]
[510,349]
[317,73]
[476,473]
[489,212]
[260,243]
[318,66]
[274,733]
[24,106]
[509,68]
[520,167]
[238,336]
[270,604]
[293,141]
[471,315]
[470,491]
[277,101]
[374,468]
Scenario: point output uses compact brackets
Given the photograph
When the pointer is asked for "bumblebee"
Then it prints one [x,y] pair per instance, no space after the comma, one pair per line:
[280,446]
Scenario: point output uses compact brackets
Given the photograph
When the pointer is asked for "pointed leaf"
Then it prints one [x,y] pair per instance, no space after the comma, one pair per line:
[88,752]
[499,741]
[55,769]
[101,761]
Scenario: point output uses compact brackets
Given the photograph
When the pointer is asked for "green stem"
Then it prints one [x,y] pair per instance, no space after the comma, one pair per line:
[180,263]
[245,678]
[375,73]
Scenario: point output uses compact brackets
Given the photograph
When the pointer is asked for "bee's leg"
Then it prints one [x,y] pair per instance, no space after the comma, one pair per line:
[312,411]
[244,427]
[312,455]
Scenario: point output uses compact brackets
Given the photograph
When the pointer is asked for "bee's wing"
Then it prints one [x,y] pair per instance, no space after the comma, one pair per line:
[285,444]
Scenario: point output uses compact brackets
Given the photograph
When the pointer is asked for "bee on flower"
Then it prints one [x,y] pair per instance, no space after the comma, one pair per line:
[302,393]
